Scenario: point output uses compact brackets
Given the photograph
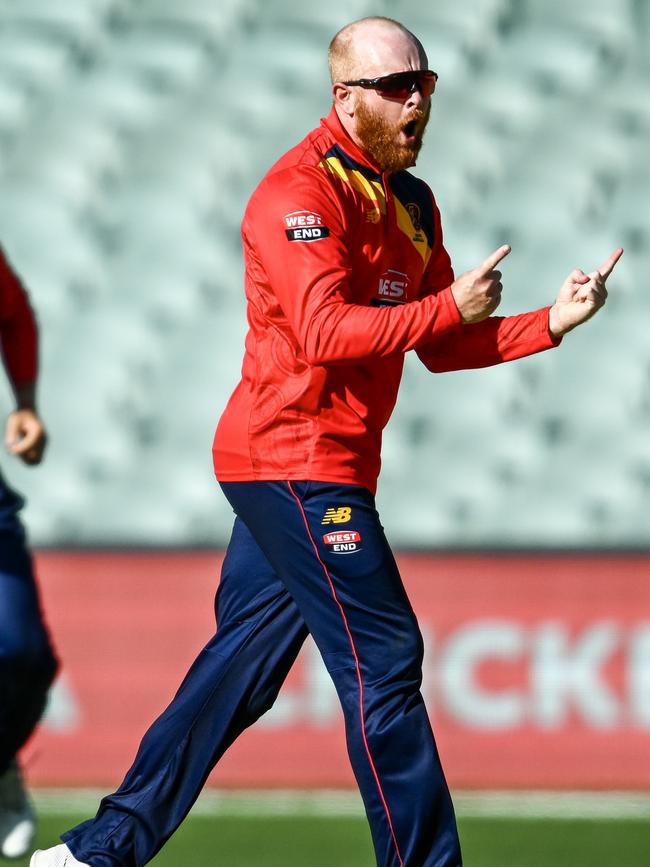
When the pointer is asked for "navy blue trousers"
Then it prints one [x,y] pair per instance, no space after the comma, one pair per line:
[303,557]
[27,661]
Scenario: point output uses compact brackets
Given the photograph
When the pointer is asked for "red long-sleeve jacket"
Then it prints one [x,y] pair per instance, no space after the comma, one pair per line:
[18,332]
[345,271]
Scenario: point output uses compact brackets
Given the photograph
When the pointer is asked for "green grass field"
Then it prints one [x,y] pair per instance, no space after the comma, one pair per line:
[300,841]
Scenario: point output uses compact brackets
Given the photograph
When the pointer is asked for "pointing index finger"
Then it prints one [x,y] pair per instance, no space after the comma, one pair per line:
[494,258]
[608,266]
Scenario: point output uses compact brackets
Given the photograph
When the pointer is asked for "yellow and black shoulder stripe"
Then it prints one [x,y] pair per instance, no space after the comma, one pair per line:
[414,211]
[361,178]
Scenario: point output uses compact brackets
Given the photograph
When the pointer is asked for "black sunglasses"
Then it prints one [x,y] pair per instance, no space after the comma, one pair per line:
[400,85]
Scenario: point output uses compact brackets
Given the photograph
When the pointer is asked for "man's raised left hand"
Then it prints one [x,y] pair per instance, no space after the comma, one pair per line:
[581,296]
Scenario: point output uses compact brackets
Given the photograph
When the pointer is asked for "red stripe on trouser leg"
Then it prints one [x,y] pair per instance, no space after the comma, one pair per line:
[358,669]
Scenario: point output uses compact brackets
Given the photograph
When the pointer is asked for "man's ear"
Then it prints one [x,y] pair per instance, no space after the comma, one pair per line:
[344,98]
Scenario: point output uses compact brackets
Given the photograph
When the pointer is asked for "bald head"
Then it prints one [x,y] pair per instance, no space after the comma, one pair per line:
[366,48]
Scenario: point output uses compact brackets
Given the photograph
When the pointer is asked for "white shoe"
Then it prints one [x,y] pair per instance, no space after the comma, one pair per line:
[17,819]
[57,856]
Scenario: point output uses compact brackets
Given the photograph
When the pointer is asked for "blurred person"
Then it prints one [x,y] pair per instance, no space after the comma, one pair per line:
[27,661]
[345,272]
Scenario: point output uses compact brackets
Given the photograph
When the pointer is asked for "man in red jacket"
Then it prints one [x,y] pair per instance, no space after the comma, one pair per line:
[27,662]
[345,272]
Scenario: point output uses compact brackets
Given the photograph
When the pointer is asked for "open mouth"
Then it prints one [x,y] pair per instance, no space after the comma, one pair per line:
[410,129]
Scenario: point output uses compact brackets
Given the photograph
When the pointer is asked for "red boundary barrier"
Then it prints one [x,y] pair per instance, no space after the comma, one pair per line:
[537,671]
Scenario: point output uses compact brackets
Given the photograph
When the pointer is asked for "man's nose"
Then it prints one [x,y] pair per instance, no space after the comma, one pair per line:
[415,97]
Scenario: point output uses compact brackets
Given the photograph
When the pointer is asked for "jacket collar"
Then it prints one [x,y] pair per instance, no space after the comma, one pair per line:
[335,127]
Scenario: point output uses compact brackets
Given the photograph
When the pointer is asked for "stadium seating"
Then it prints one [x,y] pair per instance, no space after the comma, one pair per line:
[132,133]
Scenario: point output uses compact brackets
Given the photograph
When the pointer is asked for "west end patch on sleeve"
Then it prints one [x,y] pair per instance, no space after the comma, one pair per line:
[305,226]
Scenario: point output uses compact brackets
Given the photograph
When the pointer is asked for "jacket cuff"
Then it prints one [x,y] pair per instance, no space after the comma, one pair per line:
[448,312]
[545,329]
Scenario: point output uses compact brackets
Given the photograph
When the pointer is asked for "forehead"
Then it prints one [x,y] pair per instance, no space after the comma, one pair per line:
[381,50]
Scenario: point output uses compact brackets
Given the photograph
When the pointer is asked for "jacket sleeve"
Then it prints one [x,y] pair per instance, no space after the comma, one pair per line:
[18,330]
[310,278]
[481,344]
[492,341]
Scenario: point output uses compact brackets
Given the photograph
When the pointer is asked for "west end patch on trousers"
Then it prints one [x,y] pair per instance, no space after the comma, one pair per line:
[342,541]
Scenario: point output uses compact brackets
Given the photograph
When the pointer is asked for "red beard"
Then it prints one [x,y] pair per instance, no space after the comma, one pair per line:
[381,138]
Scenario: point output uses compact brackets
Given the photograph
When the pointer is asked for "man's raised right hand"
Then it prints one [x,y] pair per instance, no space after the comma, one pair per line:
[477,293]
